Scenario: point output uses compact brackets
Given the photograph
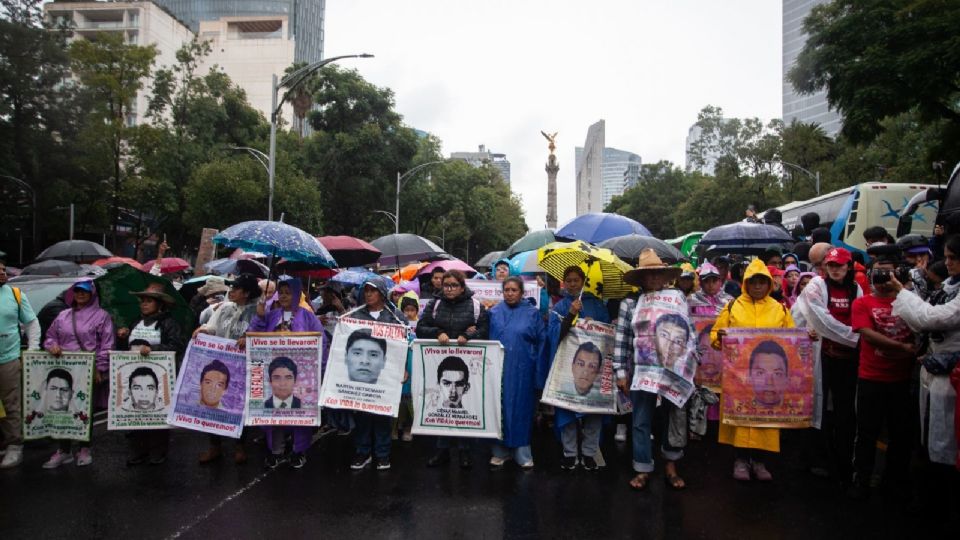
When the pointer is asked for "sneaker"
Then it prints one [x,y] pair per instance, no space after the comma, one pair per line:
[274,460]
[407,436]
[135,460]
[13,457]
[360,462]
[621,435]
[568,463]
[383,463]
[741,470]
[498,462]
[84,457]
[57,459]
[760,472]
[298,460]
[590,464]
[527,466]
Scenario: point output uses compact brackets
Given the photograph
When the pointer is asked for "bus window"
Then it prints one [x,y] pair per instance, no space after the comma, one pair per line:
[852,219]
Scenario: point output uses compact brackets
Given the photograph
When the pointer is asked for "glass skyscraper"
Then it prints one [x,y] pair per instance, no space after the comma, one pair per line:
[809,108]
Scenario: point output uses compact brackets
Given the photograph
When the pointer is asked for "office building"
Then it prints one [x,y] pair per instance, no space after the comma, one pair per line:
[811,108]
[709,157]
[484,156]
[602,172]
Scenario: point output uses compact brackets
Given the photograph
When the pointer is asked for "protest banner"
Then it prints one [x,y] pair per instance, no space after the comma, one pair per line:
[581,378]
[210,389]
[490,293]
[767,378]
[141,389]
[664,344]
[283,378]
[365,367]
[57,395]
[710,370]
[457,388]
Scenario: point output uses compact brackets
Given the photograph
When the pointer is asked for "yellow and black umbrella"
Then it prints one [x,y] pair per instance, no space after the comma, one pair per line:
[604,270]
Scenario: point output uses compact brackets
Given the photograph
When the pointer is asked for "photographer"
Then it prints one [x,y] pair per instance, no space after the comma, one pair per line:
[887,357]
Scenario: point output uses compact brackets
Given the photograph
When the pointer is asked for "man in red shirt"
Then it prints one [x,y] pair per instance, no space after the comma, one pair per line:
[888,355]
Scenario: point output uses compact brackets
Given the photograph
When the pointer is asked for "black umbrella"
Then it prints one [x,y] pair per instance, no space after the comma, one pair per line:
[746,234]
[487,260]
[52,267]
[629,246]
[75,250]
[403,248]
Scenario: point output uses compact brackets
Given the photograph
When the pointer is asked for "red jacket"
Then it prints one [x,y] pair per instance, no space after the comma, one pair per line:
[860,276]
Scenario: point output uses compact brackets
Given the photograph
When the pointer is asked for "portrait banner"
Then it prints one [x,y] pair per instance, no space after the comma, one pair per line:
[365,367]
[141,389]
[710,370]
[283,378]
[490,292]
[57,395]
[581,378]
[210,390]
[664,345]
[767,378]
[457,389]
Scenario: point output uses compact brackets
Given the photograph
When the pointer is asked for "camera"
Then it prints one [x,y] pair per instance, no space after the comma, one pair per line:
[879,276]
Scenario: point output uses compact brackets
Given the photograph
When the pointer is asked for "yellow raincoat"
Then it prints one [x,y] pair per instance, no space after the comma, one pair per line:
[744,312]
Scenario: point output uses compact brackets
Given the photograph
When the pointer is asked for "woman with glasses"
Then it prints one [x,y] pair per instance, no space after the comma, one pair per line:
[455,316]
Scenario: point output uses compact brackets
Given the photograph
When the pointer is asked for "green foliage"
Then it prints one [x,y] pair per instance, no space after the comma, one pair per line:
[660,190]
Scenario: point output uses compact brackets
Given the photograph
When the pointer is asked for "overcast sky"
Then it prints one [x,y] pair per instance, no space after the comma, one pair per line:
[496,72]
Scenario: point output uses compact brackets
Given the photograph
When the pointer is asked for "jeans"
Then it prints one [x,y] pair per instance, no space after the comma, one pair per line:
[276,438]
[878,402]
[11,428]
[644,405]
[372,430]
[589,428]
[521,455]
[840,382]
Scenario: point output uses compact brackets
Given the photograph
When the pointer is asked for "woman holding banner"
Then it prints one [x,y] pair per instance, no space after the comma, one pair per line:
[286,315]
[84,326]
[455,314]
[518,326]
[575,303]
[231,322]
[754,308]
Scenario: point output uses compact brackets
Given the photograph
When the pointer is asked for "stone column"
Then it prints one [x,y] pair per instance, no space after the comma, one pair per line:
[552,168]
[206,252]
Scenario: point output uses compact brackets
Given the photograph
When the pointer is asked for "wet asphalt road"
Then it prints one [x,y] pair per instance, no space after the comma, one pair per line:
[328,500]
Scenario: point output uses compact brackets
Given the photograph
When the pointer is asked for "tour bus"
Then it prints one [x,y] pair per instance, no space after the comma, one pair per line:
[850,211]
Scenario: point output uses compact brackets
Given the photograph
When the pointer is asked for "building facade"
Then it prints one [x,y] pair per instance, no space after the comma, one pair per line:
[616,165]
[812,108]
[602,172]
[484,156]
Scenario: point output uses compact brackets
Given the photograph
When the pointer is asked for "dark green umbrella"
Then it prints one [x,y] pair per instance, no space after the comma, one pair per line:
[530,241]
[115,290]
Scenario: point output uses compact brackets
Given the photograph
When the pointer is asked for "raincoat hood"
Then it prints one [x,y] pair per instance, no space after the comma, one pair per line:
[295,290]
[94,297]
[756,268]
[378,285]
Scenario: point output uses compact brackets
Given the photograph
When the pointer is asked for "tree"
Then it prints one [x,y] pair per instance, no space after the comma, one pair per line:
[112,73]
[661,188]
[883,58]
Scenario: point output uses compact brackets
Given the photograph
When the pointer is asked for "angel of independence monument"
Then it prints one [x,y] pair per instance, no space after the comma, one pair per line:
[552,168]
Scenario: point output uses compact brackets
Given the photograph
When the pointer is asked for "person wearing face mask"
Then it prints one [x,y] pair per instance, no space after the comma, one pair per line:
[86,327]
[156,330]
[286,315]
[826,305]
[518,326]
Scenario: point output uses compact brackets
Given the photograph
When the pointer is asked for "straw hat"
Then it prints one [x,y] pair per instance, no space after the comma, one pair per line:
[214,285]
[156,291]
[650,263]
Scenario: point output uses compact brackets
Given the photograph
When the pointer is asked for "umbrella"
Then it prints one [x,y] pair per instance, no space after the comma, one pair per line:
[168,265]
[600,226]
[52,267]
[530,241]
[745,234]
[237,267]
[487,260]
[359,276]
[408,272]
[525,263]
[403,248]
[241,254]
[301,269]
[109,262]
[349,251]
[452,264]
[90,270]
[629,246]
[115,290]
[278,239]
[604,269]
[74,250]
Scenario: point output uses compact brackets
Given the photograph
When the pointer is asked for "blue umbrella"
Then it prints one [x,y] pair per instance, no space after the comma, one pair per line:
[277,239]
[597,227]
[359,276]
[525,263]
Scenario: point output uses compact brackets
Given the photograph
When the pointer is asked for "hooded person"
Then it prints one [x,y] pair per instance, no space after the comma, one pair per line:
[754,308]
[791,277]
[501,269]
[711,298]
[826,306]
[84,326]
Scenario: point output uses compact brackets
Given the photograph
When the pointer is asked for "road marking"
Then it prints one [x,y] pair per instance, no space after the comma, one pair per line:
[220,505]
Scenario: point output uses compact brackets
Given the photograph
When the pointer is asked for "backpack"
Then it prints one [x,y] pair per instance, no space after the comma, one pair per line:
[18,296]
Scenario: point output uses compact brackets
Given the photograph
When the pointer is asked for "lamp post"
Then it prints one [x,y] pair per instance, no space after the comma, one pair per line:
[391,215]
[290,81]
[815,176]
[400,179]
[33,206]
[261,158]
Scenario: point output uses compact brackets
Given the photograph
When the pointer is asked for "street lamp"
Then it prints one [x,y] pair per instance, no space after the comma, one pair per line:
[401,178]
[290,81]
[391,215]
[261,158]
[33,204]
[814,176]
